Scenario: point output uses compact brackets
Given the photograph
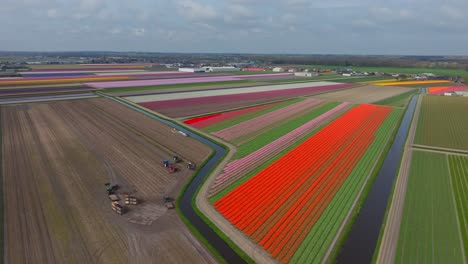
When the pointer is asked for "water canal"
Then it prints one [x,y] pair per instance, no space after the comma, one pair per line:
[362,240]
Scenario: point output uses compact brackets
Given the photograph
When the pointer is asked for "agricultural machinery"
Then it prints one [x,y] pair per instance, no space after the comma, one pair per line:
[168,202]
[111,188]
[176,158]
[191,165]
[170,168]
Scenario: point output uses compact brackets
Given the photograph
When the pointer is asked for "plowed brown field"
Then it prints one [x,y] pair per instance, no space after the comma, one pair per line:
[57,157]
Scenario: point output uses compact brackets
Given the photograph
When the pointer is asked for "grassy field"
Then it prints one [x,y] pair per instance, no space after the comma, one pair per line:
[317,242]
[276,133]
[459,173]
[175,86]
[400,100]
[443,122]
[449,72]
[245,117]
[429,231]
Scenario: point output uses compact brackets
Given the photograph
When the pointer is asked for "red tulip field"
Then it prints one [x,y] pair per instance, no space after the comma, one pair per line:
[280,205]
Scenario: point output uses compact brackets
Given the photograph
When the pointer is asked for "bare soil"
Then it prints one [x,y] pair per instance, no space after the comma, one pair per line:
[364,94]
[58,156]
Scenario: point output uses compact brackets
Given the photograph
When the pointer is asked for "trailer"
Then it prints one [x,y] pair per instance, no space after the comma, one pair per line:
[131,200]
[117,208]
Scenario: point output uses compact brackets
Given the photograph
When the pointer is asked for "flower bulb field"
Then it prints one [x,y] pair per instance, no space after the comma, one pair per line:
[427,219]
[136,163]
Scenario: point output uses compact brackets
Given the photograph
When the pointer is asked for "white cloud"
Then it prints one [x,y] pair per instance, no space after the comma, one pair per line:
[140,32]
[91,5]
[452,12]
[52,13]
[240,11]
[196,11]
[115,31]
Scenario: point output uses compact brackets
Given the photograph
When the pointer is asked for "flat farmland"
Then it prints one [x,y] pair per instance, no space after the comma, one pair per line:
[294,209]
[364,94]
[429,231]
[400,100]
[203,102]
[57,157]
[443,122]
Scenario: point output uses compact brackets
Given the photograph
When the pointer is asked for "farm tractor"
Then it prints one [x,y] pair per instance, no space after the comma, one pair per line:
[191,165]
[111,188]
[176,158]
[170,167]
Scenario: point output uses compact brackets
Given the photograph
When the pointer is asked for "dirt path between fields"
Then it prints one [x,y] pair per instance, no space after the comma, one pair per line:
[439,149]
[256,252]
[389,243]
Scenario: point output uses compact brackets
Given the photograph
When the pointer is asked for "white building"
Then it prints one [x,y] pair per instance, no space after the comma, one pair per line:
[347,74]
[191,70]
[278,69]
[306,74]
[221,69]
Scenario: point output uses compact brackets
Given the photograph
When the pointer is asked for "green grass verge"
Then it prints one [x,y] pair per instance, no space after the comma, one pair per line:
[316,244]
[266,138]
[447,72]
[242,118]
[175,86]
[400,100]
[429,231]
[459,173]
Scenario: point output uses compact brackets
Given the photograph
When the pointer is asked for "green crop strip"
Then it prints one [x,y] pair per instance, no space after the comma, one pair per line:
[429,231]
[245,117]
[320,237]
[459,173]
[266,138]
[400,100]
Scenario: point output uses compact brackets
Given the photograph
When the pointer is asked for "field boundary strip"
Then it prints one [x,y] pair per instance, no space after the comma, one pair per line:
[440,149]
[388,246]
[460,236]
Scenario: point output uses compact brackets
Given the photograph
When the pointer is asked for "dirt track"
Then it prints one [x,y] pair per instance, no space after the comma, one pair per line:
[364,94]
[388,246]
[57,157]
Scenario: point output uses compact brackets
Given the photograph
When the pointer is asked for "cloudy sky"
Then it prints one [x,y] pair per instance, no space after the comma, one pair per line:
[419,27]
